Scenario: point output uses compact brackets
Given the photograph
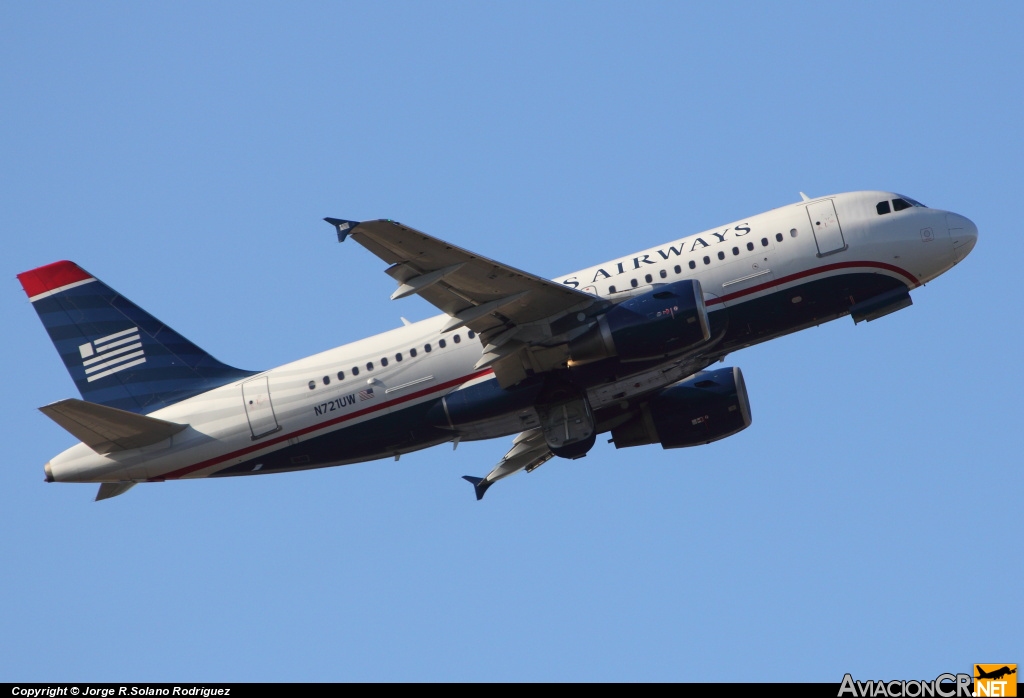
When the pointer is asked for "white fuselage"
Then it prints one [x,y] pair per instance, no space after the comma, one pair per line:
[752,258]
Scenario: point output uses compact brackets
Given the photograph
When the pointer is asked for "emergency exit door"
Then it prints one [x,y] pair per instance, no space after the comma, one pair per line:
[825,224]
[258,408]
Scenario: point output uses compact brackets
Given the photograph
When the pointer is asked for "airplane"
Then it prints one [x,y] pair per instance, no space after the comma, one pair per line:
[622,347]
[994,674]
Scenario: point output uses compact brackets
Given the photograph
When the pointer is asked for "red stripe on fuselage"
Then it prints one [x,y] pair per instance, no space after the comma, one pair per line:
[175,474]
[458,381]
[51,277]
[811,272]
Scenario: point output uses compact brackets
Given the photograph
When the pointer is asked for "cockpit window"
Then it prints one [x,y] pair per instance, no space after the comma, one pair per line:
[900,204]
[882,208]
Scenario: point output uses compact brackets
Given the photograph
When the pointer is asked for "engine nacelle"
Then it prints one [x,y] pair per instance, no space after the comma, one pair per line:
[706,407]
[666,321]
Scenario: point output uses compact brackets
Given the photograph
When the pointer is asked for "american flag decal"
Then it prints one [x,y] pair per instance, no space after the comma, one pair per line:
[366,394]
[115,352]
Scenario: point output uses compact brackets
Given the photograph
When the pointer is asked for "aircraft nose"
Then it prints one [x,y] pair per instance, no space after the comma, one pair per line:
[963,233]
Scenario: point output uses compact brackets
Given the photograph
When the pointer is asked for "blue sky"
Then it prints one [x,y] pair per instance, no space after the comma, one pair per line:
[867,522]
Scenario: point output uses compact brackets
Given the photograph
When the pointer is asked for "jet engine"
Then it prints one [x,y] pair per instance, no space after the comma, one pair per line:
[666,321]
[705,407]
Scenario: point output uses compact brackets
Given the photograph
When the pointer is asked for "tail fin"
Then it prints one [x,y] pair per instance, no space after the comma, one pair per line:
[118,354]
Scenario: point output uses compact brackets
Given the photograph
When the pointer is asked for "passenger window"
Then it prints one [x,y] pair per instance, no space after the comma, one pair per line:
[764,242]
[899,204]
[750,246]
[457,339]
[398,356]
[679,269]
[633,283]
[472,334]
[441,343]
[707,260]
[327,380]
[735,251]
[693,264]
[426,348]
[611,289]
[778,237]
[369,365]
[721,255]
[355,370]
[648,278]
[412,352]
[663,273]
[882,208]
[312,384]
[383,361]
[341,375]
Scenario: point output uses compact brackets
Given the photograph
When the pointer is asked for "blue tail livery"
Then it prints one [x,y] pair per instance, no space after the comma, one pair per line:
[118,354]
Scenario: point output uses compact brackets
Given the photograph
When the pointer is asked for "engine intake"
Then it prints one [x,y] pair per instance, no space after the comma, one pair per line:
[706,407]
[668,320]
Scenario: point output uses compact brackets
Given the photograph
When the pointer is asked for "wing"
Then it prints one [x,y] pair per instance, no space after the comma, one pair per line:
[523,321]
[529,451]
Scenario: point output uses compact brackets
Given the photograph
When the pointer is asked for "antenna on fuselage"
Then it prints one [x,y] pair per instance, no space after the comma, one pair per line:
[804,197]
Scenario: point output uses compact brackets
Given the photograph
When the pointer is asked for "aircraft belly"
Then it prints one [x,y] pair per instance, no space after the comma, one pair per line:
[396,432]
[505,425]
[801,305]
[627,388]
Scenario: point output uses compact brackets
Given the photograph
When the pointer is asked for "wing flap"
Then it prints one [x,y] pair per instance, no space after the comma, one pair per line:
[108,429]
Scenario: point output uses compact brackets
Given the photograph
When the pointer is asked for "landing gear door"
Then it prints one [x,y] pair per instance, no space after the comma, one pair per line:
[258,408]
[825,224]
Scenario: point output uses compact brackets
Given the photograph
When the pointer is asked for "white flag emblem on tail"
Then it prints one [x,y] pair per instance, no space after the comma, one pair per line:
[115,352]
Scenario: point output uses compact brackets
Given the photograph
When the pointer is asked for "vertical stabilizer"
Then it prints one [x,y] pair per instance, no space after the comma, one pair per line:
[118,354]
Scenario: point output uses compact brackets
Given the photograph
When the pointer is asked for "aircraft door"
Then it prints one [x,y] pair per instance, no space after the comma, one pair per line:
[825,224]
[258,407]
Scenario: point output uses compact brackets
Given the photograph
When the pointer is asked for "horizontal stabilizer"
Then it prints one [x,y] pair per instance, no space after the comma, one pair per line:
[108,429]
[480,485]
[112,489]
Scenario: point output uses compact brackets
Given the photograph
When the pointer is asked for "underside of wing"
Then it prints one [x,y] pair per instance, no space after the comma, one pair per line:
[523,320]
[529,451]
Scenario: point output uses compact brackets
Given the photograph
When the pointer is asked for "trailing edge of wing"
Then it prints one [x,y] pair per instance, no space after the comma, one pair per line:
[108,429]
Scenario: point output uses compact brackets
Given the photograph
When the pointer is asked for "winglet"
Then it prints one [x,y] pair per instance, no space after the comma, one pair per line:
[343,227]
[480,485]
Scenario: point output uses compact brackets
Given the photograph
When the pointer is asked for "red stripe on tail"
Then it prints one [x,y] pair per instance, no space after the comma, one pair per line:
[50,277]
